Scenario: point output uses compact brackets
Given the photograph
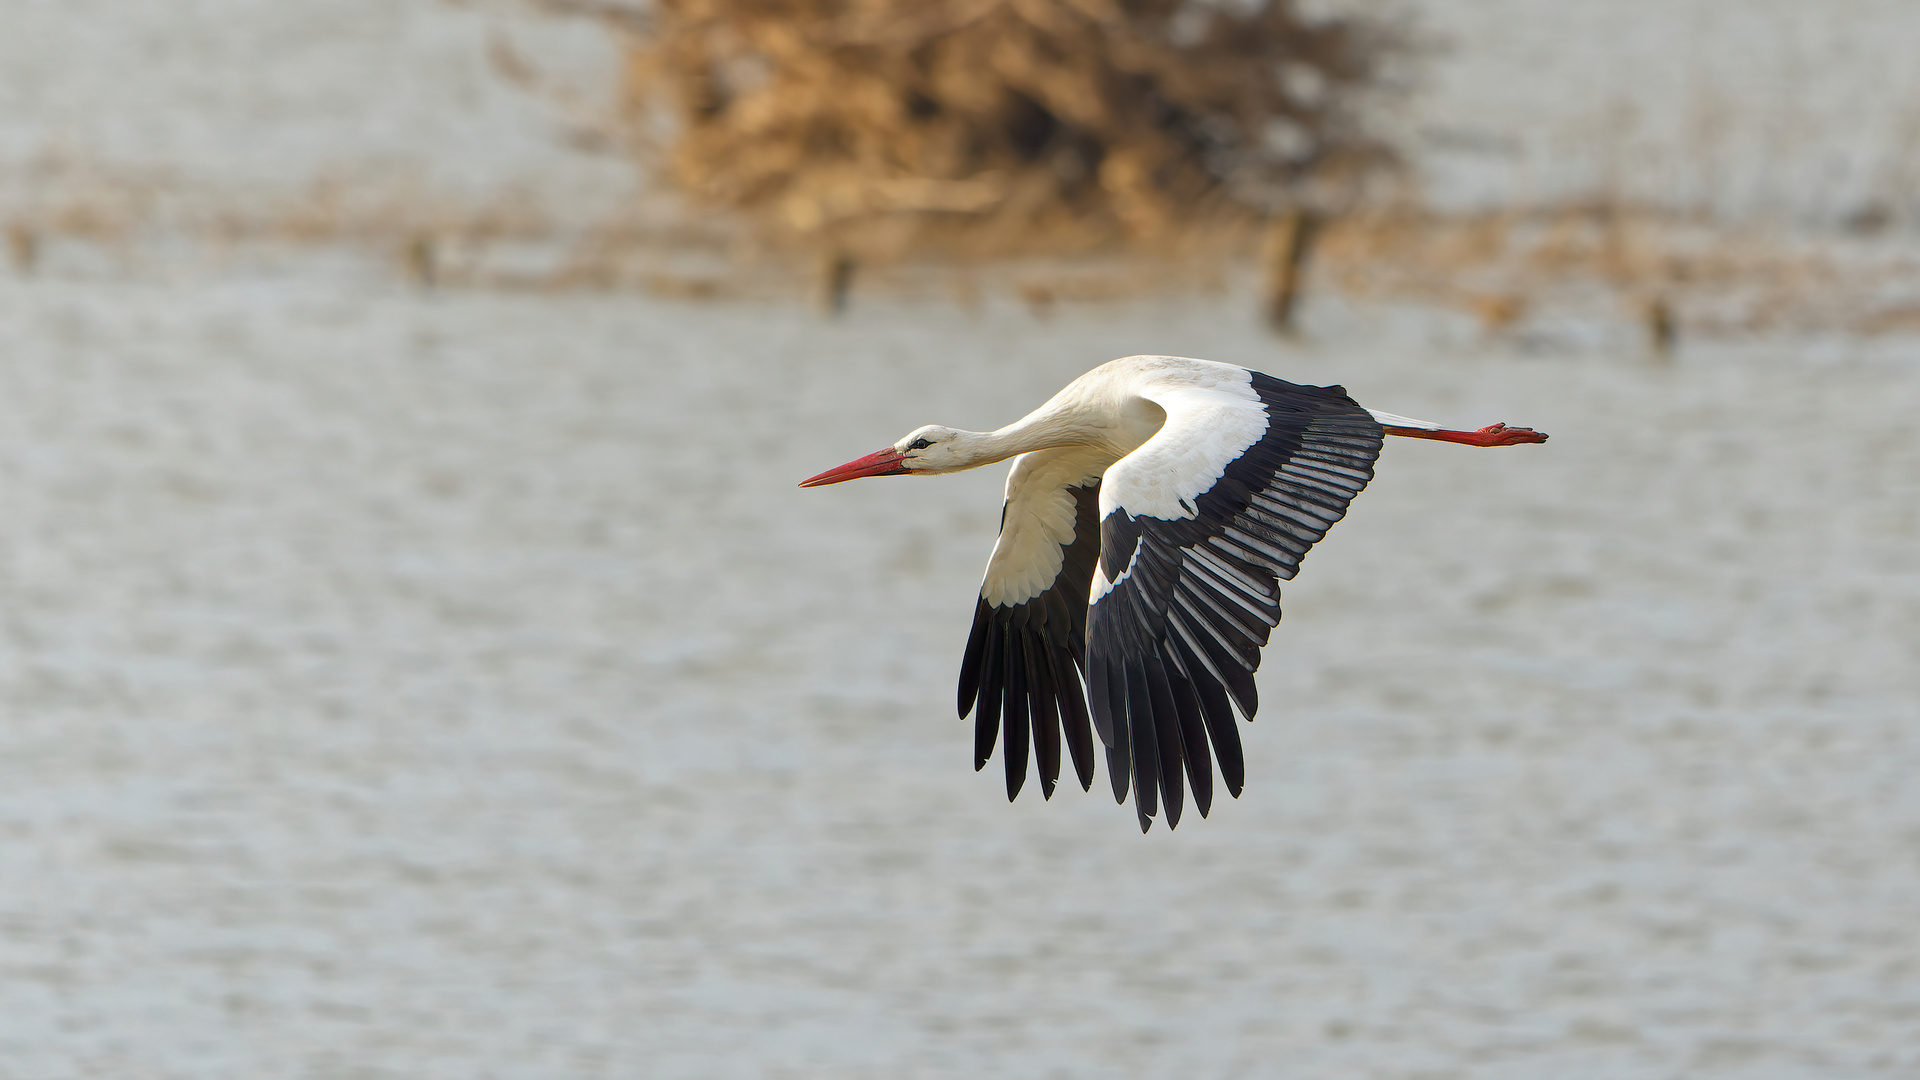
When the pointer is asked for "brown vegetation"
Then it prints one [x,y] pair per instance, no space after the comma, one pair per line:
[1000,126]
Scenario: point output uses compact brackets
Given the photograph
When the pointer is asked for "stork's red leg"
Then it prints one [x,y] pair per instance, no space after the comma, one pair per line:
[1491,435]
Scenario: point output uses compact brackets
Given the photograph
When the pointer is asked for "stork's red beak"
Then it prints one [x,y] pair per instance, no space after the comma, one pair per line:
[879,463]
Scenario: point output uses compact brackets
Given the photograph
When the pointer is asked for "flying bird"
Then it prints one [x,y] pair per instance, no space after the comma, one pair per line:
[1153,507]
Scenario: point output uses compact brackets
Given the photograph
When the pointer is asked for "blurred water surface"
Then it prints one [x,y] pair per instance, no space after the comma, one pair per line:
[458,685]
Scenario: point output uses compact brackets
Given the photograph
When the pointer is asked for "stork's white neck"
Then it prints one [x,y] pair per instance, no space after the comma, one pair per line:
[1116,426]
[1034,431]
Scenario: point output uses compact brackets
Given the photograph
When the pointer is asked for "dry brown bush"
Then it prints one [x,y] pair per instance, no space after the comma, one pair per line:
[1001,126]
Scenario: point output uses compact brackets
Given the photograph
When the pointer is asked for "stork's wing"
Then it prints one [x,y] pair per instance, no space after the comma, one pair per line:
[1197,527]
[1028,646]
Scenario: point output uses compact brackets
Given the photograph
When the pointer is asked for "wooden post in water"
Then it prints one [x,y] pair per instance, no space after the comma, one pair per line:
[1289,239]
[1662,329]
[422,260]
[23,247]
[835,280]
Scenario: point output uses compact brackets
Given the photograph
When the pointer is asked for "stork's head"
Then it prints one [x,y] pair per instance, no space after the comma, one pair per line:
[931,449]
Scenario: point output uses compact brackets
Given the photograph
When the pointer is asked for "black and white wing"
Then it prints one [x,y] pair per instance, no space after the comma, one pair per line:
[1027,650]
[1197,527]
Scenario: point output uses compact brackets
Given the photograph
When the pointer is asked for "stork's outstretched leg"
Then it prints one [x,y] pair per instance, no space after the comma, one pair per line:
[1491,435]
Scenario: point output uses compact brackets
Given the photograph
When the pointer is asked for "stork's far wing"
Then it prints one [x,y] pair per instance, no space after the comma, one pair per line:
[1028,646]
[1197,527]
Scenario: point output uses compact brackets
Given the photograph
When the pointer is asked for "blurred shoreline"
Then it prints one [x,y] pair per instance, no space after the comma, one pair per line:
[1514,274]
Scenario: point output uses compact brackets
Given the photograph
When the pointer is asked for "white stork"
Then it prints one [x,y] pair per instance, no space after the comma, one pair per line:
[1153,506]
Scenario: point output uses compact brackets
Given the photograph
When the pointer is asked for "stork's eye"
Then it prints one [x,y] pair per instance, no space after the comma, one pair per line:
[918,444]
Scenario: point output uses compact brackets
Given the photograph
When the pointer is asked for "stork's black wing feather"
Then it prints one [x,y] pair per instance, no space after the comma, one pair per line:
[1193,599]
[1024,660]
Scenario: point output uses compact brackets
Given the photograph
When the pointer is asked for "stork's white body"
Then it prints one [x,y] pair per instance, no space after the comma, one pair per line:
[1152,508]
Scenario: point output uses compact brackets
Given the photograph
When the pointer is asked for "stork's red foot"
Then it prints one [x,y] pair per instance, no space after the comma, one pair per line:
[1502,435]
